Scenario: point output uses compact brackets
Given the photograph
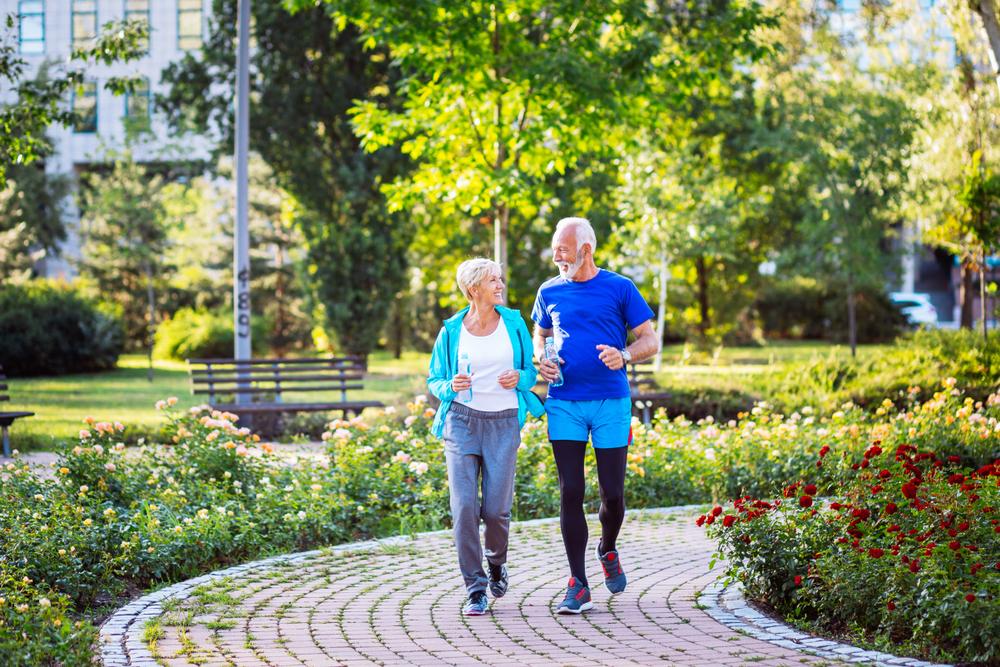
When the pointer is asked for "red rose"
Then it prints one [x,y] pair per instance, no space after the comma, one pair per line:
[805,501]
[970,598]
[701,521]
[810,490]
[963,526]
[893,528]
[819,464]
[976,567]
[709,520]
[873,451]
[729,520]
[716,511]
[890,509]
[876,489]
[865,464]
[952,533]
[798,580]
[885,474]
[954,546]
[954,459]
[891,606]
[875,553]
[915,566]
[835,506]
[909,490]
[824,451]
[957,478]
[904,559]
[746,539]
[855,466]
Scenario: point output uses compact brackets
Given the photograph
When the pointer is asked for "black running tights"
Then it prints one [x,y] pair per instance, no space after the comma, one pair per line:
[611,466]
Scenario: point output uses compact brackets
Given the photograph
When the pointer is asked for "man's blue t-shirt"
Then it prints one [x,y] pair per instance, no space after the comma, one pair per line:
[583,315]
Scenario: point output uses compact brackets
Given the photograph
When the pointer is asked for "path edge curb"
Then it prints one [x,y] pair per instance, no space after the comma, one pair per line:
[120,638]
[728,606]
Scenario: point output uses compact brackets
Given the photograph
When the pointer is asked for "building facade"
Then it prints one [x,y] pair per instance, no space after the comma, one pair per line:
[45,33]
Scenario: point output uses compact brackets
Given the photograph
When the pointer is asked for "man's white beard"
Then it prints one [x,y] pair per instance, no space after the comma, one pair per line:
[567,271]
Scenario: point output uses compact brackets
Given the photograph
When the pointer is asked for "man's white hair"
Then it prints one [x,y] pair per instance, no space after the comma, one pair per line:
[471,272]
[584,232]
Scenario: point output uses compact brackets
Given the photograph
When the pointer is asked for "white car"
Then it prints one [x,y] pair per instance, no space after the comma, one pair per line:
[917,307]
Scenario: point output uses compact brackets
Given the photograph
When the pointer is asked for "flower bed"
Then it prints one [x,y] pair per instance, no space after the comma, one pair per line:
[907,552]
[110,517]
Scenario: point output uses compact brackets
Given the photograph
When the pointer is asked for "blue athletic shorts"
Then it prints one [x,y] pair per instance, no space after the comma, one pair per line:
[608,422]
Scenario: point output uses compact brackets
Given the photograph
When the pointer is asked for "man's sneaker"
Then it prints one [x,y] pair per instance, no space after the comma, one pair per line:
[477,604]
[498,580]
[577,599]
[614,576]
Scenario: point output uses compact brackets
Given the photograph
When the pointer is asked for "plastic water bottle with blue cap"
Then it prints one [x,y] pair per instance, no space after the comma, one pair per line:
[465,368]
[553,356]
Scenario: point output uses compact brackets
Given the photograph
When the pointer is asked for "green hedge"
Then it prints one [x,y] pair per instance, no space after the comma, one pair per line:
[49,329]
[199,334]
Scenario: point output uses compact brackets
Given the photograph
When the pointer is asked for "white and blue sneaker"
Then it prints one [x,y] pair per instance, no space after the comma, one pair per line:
[614,576]
[477,604]
[577,599]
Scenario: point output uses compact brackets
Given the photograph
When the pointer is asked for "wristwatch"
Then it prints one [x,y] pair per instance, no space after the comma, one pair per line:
[626,355]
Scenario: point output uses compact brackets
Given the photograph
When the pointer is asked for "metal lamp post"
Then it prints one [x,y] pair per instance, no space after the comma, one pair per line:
[241,231]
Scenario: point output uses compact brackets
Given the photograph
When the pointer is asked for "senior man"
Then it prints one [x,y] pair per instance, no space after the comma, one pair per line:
[588,312]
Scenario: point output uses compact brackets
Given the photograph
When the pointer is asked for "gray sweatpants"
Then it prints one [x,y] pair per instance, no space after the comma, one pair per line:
[477,443]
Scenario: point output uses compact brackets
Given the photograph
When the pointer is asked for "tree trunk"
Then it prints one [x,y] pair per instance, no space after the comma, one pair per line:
[152,317]
[965,295]
[852,324]
[702,270]
[501,230]
[988,13]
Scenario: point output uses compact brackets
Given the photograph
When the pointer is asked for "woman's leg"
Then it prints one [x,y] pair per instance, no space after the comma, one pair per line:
[501,440]
[463,483]
[569,455]
[611,465]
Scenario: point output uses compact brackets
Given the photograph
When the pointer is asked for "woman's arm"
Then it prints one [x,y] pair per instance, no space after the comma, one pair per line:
[528,373]
[439,381]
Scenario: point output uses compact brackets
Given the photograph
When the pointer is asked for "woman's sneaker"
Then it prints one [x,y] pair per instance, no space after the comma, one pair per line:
[498,580]
[477,604]
[577,599]
[614,576]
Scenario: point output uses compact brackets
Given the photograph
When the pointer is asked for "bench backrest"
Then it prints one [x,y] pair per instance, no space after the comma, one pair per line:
[275,376]
[3,386]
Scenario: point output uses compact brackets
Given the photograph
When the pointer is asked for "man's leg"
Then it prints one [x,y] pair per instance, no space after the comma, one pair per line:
[611,466]
[569,455]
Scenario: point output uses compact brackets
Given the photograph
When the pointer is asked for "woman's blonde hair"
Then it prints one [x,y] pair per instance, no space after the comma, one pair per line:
[471,272]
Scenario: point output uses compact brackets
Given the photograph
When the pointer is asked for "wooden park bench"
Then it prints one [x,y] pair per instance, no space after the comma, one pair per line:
[269,379]
[7,418]
[645,392]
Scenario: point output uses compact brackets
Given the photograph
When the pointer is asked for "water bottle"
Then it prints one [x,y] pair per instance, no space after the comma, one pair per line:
[465,368]
[553,356]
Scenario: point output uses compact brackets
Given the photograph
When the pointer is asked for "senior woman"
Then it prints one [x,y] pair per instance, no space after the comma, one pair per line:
[482,433]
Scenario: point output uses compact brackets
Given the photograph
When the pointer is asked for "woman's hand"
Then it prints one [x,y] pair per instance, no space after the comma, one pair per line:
[461,382]
[508,379]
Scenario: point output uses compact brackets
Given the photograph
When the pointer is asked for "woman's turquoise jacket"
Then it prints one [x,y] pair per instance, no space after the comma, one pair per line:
[444,366]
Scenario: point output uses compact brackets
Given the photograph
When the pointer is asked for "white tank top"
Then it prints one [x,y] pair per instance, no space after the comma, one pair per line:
[489,356]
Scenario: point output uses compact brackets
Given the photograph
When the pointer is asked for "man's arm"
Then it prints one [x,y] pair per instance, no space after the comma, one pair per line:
[548,370]
[646,344]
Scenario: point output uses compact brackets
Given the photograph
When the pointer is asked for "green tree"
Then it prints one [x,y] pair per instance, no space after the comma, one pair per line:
[308,72]
[501,95]
[124,233]
[41,101]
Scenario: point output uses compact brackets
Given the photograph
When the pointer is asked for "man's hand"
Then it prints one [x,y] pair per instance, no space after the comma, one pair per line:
[548,369]
[611,356]
[461,382]
[508,379]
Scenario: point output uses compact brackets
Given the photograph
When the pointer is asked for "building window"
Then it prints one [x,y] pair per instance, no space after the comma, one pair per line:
[84,22]
[189,22]
[85,105]
[138,10]
[137,102]
[32,33]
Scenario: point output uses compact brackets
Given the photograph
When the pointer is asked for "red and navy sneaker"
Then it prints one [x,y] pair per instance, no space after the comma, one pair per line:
[614,576]
[577,599]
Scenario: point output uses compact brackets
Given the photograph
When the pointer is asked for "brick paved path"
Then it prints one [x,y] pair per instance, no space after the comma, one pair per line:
[402,606]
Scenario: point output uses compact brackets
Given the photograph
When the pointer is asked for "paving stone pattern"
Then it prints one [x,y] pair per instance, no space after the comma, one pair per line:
[398,602]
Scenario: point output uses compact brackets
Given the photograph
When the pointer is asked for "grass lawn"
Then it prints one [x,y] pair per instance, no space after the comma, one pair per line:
[125,394]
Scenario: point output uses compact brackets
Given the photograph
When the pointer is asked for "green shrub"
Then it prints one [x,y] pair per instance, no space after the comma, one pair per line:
[918,359]
[804,308]
[198,334]
[908,549]
[49,329]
